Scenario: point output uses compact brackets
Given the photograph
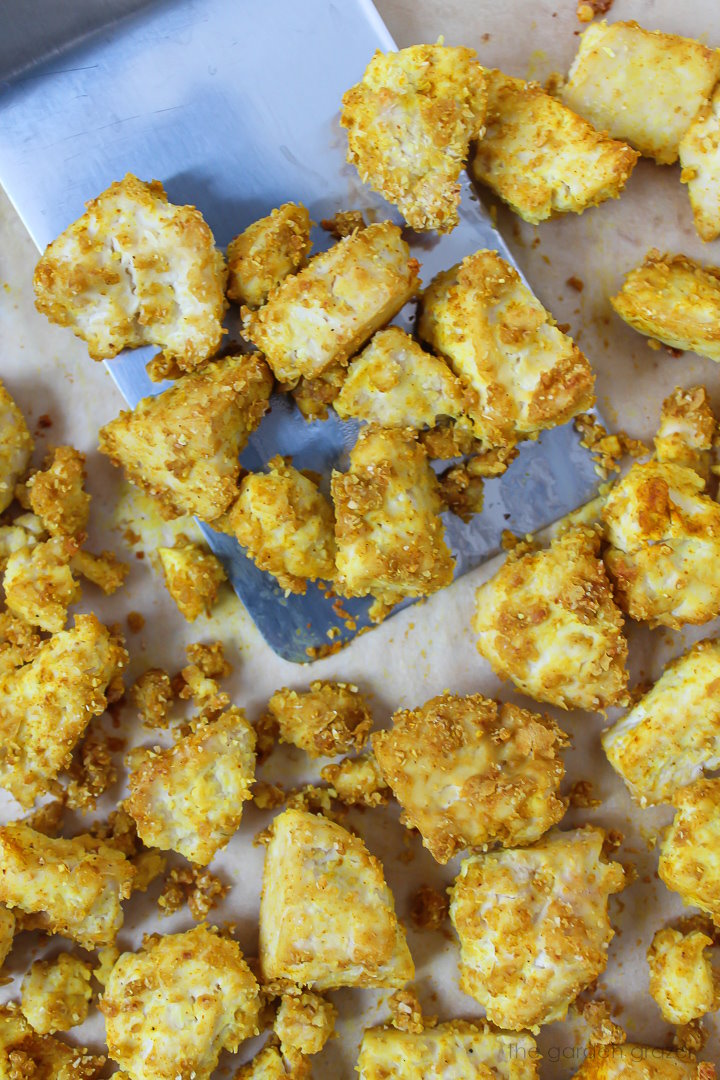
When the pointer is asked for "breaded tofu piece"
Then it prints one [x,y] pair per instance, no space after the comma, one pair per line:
[547,621]
[193,577]
[541,158]
[269,1064]
[664,545]
[629,1061]
[56,993]
[39,584]
[328,719]
[16,447]
[27,1055]
[682,981]
[700,160]
[390,537]
[687,430]
[182,446]
[152,693]
[324,314]
[395,383]
[410,121]
[286,525]
[70,887]
[173,1006]
[533,925]
[456,1048]
[471,773]
[136,270]
[304,1023]
[673,299]
[46,704]
[189,797]
[327,918]
[270,249]
[104,570]
[672,734]
[57,493]
[521,372]
[642,86]
[690,852]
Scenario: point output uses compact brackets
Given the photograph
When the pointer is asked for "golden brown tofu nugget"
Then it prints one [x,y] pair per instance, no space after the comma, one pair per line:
[390,537]
[16,447]
[46,705]
[57,494]
[410,121]
[547,621]
[682,981]
[327,918]
[471,773]
[193,577]
[70,887]
[286,525]
[533,925]
[136,270]
[189,797]
[673,299]
[56,993]
[690,852]
[700,160]
[304,1023]
[630,1061]
[522,374]
[642,86]
[39,584]
[664,545]
[173,1006]
[270,249]
[182,446]
[325,313]
[687,430]
[27,1055]
[455,1048]
[327,719]
[541,158]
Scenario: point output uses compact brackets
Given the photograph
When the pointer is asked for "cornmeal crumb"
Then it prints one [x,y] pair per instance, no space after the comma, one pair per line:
[193,577]
[16,447]
[209,658]
[304,1023]
[269,250]
[607,449]
[462,489]
[682,980]
[358,781]
[344,223]
[199,889]
[327,719]
[92,771]
[152,694]
[56,993]
[429,909]
[406,1014]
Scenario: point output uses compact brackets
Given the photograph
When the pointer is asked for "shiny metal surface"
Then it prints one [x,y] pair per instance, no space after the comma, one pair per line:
[233,104]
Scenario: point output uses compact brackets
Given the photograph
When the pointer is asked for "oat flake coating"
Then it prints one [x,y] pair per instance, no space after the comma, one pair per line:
[690,852]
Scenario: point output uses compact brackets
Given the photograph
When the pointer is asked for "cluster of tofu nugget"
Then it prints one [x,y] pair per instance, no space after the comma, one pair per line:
[487,369]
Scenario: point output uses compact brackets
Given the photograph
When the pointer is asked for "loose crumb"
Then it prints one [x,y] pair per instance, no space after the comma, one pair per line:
[152,693]
[581,796]
[194,886]
[135,622]
[405,1012]
[607,450]
[429,909]
[267,796]
[92,771]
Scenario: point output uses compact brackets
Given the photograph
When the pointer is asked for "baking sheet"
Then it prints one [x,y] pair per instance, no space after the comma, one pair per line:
[427,648]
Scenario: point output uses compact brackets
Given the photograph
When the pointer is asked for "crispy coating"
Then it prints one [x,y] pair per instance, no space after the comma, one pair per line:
[269,1064]
[92,771]
[456,1048]
[548,621]
[642,86]
[209,658]
[314,396]
[57,493]
[389,533]
[56,993]
[533,925]
[104,570]
[304,1023]
[152,693]
[39,584]
[357,781]
[462,487]
[699,154]
[182,446]
[70,887]
[328,719]
[672,734]
[136,270]
[193,577]
[46,704]
[690,853]
[410,121]
[27,1055]
[16,447]
[262,256]
[543,159]
[664,542]
[286,525]
[687,430]
[673,299]
[395,383]
[471,773]
[326,312]
[189,797]
[682,981]
[633,1062]
[174,1005]
[429,908]
[521,373]
[198,888]
[19,642]
[7,932]
[327,918]
[343,223]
